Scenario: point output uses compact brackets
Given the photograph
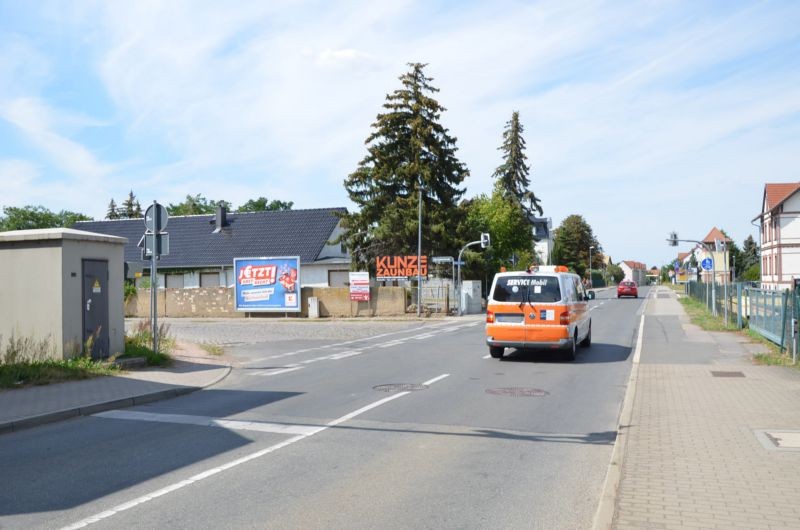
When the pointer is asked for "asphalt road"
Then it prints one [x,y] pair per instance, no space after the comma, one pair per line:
[402,425]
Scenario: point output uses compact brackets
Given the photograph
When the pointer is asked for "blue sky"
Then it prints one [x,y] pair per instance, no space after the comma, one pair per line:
[644,117]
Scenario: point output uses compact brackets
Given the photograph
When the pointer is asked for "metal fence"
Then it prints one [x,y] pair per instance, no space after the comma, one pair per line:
[435,298]
[729,302]
[771,314]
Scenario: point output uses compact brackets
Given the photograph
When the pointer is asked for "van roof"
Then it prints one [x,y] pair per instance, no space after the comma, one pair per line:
[539,272]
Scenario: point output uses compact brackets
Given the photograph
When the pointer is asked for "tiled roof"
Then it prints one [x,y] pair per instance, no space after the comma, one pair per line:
[683,255]
[193,242]
[779,192]
[715,234]
[776,194]
[634,264]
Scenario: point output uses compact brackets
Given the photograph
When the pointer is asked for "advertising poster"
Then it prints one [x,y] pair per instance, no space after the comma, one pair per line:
[399,267]
[359,286]
[267,284]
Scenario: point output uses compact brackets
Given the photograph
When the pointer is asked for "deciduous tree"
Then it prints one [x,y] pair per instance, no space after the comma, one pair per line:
[262,204]
[571,242]
[32,217]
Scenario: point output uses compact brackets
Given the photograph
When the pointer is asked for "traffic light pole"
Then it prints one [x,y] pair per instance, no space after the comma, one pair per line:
[458,293]
[674,242]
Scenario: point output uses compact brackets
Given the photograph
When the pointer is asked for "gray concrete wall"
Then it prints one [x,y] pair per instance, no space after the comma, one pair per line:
[218,302]
[73,253]
[30,293]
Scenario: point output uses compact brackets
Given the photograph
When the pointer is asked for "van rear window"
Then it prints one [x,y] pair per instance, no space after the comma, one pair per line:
[533,289]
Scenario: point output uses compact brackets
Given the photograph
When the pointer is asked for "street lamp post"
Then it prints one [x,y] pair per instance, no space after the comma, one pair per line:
[591,280]
[419,249]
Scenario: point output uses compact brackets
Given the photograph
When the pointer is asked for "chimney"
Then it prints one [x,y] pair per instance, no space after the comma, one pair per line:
[221,219]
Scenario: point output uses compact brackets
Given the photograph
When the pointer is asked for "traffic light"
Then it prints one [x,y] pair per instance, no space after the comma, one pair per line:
[485,240]
[673,239]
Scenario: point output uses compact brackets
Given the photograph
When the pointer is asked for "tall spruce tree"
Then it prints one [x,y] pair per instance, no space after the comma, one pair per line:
[407,148]
[513,175]
[112,212]
[131,209]
[750,253]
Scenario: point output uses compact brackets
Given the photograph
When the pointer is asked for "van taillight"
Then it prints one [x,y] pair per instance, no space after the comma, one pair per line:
[564,319]
[489,317]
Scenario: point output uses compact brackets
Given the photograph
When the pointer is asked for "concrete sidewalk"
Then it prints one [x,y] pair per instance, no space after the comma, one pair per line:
[193,369]
[707,439]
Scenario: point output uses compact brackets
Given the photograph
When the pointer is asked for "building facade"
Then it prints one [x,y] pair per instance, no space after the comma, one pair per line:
[779,222]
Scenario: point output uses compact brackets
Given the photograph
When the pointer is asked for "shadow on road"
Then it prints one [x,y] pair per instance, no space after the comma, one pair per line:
[596,353]
[68,464]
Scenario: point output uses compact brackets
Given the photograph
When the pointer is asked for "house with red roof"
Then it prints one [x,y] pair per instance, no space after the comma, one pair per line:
[634,270]
[716,248]
[780,235]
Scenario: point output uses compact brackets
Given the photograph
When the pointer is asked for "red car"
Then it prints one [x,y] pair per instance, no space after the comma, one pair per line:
[627,288]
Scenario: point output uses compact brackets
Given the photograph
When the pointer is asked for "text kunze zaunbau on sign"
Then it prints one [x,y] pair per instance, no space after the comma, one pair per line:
[395,267]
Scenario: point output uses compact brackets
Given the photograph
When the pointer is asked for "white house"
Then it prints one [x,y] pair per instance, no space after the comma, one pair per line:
[634,270]
[780,235]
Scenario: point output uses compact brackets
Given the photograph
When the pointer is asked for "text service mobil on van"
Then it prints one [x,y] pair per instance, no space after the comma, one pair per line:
[544,307]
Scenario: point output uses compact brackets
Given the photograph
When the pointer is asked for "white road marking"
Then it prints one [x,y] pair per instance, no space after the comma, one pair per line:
[273,371]
[486,356]
[444,327]
[435,379]
[239,461]
[638,352]
[207,421]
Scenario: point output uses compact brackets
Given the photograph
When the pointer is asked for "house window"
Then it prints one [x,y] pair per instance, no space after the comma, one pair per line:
[174,281]
[338,278]
[209,279]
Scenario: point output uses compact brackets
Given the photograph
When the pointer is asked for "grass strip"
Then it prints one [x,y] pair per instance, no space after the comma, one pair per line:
[29,373]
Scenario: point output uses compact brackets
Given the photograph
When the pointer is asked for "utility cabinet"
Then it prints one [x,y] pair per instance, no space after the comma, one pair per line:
[471,297]
[61,292]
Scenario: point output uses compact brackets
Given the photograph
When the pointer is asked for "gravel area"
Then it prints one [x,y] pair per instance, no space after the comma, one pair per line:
[258,330]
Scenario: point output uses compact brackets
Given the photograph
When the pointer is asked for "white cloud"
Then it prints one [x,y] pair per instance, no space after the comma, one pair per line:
[276,99]
[35,120]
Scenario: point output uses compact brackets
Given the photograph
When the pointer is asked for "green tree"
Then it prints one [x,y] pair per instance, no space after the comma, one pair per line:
[263,205]
[750,254]
[33,217]
[511,238]
[752,273]
[616,272]
[571,242]
[408,151]
[196,205]
[512,176]
[131,209]
[734,255]
[112,212]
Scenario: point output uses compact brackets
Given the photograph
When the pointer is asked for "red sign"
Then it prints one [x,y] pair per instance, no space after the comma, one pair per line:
[258,275]
[399,266]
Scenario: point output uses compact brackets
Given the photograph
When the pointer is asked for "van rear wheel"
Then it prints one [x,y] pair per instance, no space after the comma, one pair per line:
[587,341]
[496,351]
[570,354]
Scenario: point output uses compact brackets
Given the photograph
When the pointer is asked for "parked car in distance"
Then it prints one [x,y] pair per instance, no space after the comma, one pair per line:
[627,288]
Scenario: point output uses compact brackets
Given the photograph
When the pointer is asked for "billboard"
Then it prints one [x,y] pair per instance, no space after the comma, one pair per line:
[399,267]
[267,284]
[359,286]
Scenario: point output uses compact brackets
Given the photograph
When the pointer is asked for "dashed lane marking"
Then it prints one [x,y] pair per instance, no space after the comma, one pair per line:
[239,461]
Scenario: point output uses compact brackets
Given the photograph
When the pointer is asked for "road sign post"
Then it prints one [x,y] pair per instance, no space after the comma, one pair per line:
[154,243]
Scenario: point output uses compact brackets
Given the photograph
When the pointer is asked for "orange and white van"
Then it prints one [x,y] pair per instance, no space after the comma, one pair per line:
[544,307]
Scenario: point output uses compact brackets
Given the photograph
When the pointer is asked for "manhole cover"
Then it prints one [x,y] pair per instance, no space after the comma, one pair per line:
[399,387]
[517,392]
[727,374]
[663,295]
